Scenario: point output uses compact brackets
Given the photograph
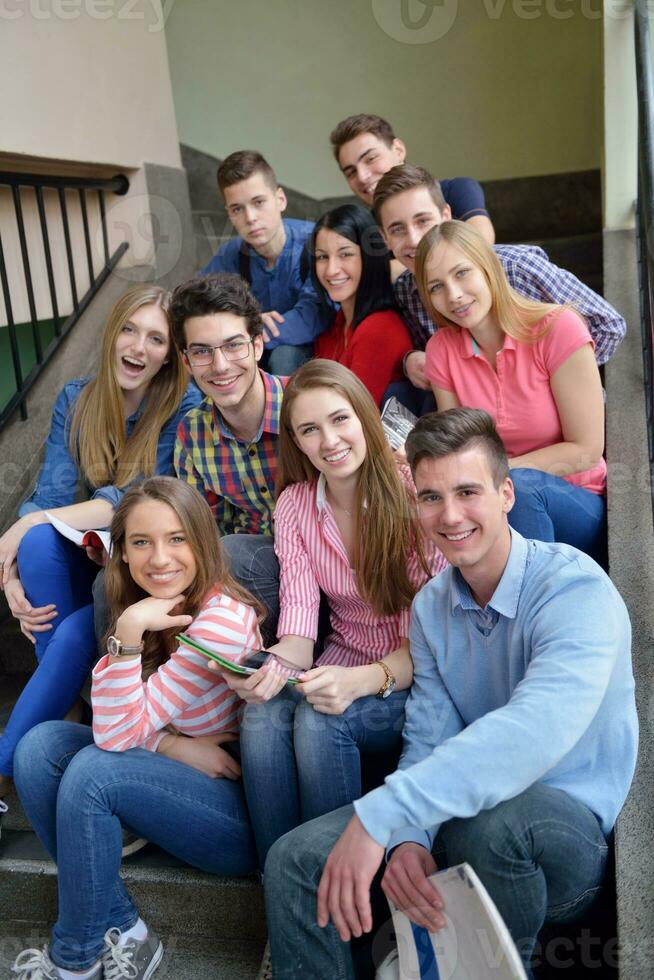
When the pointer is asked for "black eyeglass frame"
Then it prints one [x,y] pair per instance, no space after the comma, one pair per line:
[189,352]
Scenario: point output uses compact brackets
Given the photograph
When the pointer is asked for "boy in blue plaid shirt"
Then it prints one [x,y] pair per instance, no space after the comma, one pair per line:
[407,203]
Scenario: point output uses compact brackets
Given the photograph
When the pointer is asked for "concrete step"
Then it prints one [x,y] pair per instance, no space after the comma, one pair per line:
[183,959]
[176,899]
[169,894]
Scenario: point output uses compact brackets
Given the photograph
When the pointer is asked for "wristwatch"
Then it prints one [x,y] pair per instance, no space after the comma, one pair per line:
[116,648]
[389,684]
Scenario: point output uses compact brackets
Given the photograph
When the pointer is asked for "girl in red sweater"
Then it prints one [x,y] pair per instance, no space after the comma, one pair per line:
[351,266]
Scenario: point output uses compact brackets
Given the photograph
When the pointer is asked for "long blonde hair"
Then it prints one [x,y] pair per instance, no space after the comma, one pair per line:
[97,437]
[516,315]
[385,514]
[202,535]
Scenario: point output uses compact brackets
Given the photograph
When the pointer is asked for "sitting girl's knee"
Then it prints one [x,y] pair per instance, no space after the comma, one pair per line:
[38,541]
[35,747]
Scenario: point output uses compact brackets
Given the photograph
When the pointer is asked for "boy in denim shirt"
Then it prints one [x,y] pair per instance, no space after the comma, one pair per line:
[270,253]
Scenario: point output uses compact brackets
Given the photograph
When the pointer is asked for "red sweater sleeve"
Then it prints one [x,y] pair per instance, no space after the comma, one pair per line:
[377,347]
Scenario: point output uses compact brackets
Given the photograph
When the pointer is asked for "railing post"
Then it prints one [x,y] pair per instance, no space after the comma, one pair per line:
[26,375]
[48,258]
[11,327]
[18,208]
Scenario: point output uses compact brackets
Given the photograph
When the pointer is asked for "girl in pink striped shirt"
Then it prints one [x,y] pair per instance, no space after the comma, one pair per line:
[180,789]
[344,527]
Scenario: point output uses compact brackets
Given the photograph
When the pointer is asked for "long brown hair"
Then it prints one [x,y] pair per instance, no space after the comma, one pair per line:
[385,514]
[97,439]
[202,535]
[516,315]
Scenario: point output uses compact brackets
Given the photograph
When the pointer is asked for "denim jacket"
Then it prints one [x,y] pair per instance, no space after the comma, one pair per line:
[57,482]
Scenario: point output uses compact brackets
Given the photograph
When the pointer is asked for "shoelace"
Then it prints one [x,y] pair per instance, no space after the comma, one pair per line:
[117,960]
[34,964]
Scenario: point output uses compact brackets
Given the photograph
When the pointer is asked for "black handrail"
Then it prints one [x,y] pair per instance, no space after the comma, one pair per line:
[83,186]
[645,211]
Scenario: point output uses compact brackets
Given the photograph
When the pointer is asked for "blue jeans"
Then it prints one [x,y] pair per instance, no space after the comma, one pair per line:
[285,359]
[417,400]
[299,764]
[253,563]
[53,569]
[548,508]
[542,856]
[77,796]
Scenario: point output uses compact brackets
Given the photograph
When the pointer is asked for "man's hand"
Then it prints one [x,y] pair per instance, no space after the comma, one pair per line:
[414,368]
[344,890]
[270,328]
[406,883]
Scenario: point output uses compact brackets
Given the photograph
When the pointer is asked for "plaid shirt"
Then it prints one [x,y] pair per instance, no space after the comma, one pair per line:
[531,273]
[237,478]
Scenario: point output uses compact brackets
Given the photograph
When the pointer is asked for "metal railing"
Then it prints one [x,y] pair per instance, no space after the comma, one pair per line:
[645,210]
[69,192]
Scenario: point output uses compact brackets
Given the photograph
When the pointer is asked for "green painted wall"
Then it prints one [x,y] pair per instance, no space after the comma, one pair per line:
[487,88]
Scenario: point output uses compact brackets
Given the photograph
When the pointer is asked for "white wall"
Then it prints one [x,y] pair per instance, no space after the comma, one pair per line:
[86,91]
[620,119]
[81,86]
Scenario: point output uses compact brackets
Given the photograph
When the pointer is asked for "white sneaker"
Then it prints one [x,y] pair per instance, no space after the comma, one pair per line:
[35,964]
[134,960]
[132,844]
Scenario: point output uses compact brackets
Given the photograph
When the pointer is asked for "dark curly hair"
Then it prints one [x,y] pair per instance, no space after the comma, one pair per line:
[222,292]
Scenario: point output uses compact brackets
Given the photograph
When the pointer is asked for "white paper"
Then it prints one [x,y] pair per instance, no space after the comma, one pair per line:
[78,536]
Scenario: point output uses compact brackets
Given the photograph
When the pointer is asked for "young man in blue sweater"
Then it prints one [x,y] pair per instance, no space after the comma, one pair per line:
[270,252]
[520,736]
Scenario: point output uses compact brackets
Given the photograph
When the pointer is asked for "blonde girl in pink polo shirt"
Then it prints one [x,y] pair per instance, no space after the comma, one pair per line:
[530,365]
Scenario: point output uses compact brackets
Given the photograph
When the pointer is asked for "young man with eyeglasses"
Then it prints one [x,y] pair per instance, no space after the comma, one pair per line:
[227,447]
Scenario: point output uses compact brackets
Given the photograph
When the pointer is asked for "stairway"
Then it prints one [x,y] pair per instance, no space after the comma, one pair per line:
[210,926]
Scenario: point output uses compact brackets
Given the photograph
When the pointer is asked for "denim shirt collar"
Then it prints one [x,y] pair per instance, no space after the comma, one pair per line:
[506,596]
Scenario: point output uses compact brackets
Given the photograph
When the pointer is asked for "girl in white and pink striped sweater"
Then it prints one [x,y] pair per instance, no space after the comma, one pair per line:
[171,774]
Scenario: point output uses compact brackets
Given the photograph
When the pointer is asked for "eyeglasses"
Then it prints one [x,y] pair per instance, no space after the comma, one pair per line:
[233,350]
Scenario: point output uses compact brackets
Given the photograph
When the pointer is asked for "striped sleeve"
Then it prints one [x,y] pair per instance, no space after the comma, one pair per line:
[299,594]
[127,712]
